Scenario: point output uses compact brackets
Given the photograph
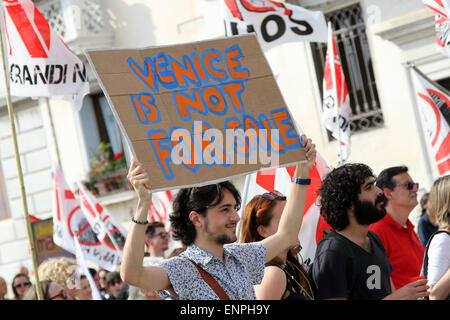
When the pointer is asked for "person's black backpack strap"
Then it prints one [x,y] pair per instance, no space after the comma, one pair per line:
[424,271]
[351,273]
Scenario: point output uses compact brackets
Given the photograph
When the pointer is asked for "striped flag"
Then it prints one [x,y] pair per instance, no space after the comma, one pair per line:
[274,22]
[311,231]
[69,221]
[434,102]
[336,100]
[441,10]
[40,63]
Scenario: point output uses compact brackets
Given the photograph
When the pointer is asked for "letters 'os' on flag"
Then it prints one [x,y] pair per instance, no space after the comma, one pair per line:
[442,23]
[336,100]
[435,106]
[40,63]
[313,224]
[274,22]
[69,221]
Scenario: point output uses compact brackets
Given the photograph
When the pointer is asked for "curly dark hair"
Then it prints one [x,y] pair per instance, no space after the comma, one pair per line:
[339,191]
[196,199]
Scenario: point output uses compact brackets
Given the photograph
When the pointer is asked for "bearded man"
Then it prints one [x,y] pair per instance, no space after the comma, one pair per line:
[351,261]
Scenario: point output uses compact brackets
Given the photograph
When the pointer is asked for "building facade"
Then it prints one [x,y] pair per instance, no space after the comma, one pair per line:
[375,38]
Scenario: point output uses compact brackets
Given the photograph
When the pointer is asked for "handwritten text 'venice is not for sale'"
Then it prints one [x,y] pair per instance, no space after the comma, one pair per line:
[207,84]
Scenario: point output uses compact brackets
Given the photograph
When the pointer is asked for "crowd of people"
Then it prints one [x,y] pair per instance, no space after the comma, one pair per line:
[60,278]
[371,253]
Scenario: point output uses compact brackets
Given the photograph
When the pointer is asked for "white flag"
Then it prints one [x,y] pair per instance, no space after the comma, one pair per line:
[40,63]
[280,179]
[69,221]
[274,22]
[99,218]
[336,100]
[435,106]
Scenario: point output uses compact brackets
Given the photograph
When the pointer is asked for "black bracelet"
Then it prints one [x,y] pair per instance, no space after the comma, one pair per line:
[139,222]
[300,181]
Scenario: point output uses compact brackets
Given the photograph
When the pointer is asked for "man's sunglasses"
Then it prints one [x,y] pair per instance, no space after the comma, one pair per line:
[410,185]
[272,195]
[163,235]
[22,284]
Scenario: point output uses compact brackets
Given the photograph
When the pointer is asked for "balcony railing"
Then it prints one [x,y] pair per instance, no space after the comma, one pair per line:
[80,23]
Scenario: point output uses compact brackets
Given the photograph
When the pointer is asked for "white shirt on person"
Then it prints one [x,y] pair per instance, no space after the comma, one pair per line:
[438,257]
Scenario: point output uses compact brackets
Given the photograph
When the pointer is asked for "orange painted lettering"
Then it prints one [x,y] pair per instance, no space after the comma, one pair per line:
[233,64]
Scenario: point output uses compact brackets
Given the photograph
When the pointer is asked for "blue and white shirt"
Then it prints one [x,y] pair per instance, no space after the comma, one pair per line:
[243,267]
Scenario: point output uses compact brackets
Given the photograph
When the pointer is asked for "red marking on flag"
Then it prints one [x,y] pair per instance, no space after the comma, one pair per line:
[99,208]
[33,218]
[444,149]
[437,11]
[7,34]
[88,205]
[267,179]
[291,171]
[444,167]
[58,209]
[321,225]
[250,7]
[169,195]
[439,42]
[26,30]
[68,194]
[82,229]
[312,192]
[43,26]
[232,6]
[341,86]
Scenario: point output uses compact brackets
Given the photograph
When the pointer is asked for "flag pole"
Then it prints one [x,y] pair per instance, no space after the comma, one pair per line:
[19,171]
[412,65]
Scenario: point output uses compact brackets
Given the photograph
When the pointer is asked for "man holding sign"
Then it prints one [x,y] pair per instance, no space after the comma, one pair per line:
[205,219]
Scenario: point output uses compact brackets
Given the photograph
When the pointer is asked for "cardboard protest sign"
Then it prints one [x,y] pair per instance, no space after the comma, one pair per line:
[43,239]
[198,113]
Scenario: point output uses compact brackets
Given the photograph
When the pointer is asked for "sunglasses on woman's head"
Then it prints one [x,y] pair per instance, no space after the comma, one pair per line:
[272,195]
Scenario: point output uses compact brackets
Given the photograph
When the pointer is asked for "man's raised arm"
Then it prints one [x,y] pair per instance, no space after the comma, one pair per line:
[132,271]
[292,216]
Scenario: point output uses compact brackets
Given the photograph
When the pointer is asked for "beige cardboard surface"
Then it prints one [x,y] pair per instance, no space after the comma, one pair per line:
[143,90]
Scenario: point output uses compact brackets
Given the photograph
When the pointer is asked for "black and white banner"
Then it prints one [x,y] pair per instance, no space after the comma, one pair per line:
[441,10]
[274,22]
